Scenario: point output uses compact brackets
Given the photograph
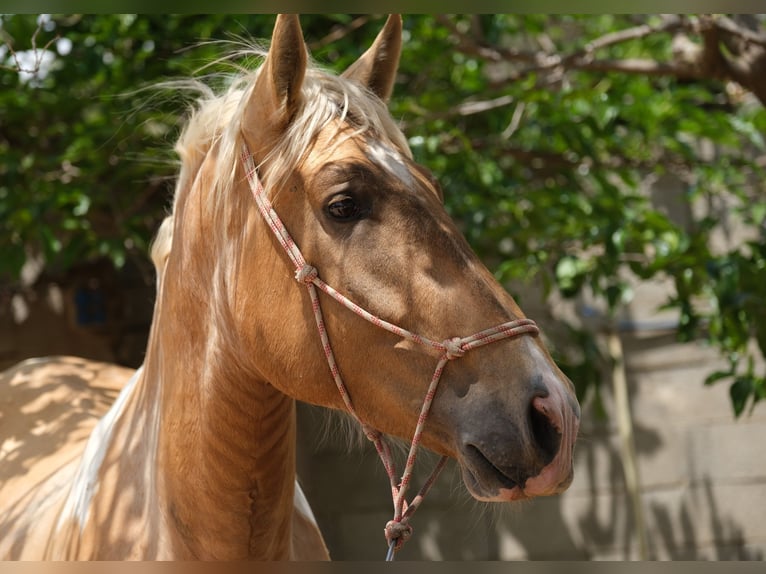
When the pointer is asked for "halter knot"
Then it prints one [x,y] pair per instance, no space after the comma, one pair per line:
[453,348]
[371,433]
[306,274]
[397,533]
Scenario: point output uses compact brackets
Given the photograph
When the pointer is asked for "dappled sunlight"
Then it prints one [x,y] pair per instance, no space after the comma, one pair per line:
[349,228]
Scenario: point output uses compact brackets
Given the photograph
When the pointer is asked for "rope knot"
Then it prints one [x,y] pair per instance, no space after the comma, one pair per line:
[306,274]
[397,533]
[453,348]
[371,433]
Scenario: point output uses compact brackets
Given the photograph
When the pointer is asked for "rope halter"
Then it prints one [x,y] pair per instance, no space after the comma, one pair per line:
[398,529]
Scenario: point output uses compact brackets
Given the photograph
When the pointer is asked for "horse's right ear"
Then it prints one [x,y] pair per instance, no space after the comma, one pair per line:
[276,92]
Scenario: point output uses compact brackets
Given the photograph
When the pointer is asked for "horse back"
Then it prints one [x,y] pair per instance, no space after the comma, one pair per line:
[48,408]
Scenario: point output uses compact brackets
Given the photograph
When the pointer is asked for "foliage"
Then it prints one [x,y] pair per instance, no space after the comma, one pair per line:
[543,160]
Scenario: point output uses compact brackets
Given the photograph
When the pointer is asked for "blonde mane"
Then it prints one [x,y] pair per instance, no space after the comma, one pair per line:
[216,120]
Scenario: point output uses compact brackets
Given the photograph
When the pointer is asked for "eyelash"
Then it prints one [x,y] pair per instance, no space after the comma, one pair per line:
[344,207]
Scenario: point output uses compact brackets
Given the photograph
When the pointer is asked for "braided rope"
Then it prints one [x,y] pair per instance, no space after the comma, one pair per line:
[397,530]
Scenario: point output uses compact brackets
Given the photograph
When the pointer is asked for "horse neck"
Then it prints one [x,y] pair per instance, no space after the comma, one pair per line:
[226,441]
[225,465]
[221,440]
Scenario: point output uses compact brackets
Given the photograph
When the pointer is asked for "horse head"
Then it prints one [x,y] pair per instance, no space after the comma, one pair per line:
[372,224]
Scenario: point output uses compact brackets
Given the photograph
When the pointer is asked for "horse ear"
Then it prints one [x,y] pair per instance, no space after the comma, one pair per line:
[376,68]
[278,86]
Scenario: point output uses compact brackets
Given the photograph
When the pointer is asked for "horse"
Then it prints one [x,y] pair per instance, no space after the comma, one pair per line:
[308,258]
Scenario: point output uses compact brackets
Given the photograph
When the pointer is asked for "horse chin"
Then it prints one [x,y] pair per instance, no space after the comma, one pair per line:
[490,485]
[487,483]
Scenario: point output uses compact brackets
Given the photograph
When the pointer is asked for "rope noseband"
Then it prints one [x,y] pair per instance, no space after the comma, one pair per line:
[398,529]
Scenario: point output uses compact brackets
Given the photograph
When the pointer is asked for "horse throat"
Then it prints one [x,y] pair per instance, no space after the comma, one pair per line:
[225,501]
[226,452]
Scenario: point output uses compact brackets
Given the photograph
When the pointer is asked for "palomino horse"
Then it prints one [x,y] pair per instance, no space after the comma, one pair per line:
[196,457]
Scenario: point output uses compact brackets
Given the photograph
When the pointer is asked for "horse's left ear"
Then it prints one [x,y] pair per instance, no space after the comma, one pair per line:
[376,68]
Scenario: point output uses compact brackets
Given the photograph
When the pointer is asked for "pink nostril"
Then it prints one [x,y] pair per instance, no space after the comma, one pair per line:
[545,425]
[554,420]
[544,406]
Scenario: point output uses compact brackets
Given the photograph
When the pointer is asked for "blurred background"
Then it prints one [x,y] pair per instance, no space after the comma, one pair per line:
[608,169]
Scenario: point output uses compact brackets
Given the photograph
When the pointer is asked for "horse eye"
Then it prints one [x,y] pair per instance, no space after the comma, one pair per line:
[344,208]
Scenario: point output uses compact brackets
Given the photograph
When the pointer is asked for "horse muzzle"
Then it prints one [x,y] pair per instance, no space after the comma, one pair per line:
[505,458]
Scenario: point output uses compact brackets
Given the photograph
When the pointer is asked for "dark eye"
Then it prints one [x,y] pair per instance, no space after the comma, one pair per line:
[344,208]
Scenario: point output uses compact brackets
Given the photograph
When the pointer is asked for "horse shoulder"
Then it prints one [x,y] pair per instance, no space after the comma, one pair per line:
[48,409]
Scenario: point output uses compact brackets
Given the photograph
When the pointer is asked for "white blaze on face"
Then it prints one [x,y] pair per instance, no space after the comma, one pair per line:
[390,160]
[85,482]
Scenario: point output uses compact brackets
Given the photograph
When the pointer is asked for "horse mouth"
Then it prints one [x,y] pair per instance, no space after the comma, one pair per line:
[488,482]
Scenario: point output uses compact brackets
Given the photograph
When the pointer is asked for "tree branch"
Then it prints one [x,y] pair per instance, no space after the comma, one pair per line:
[731,27]
[464,109]
[468,45]
[669,24]
[692,60]
[748,70]
[642,66]
[339,32]
[39,55]
[542,61]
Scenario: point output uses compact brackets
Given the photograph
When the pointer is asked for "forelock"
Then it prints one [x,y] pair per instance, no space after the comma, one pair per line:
[327,99]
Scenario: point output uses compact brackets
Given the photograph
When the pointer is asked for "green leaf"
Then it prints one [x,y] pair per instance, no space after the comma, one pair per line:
[570,274]
[740,391]
[716,376]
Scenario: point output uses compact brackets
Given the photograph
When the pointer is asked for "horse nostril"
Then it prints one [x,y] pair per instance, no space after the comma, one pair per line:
[545,432]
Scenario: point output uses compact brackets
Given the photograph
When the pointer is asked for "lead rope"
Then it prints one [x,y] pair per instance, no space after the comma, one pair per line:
[398,529]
